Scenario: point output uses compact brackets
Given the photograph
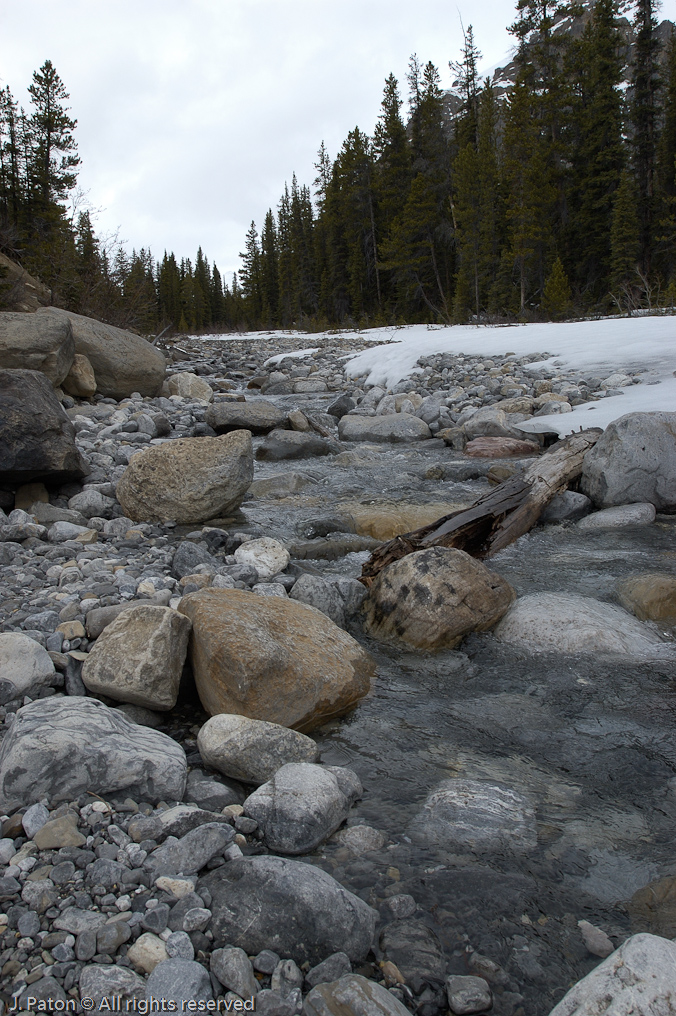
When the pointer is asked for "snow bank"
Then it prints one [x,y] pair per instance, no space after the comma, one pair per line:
[296,354]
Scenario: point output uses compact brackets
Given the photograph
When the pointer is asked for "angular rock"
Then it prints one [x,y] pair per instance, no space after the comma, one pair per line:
[192,851]
[330,969]
[292,444]
[397,428]
[638,978]
[325,596]
[62,531]
[633,461]
[432,598]
[490,421]
[416,952]
[34,342]
[272,659]
[259,416]
[267,556]
[80,380]
[76,921]
[623,515]
[651,596]
[175,980]
[123,363]
[302,805]
[188,480]
[25,666]
[568,506]
[471,814]
[233,969]
[37,440]
[59,748]
[100,617]
[190,386]
[342,405]
[139,657]
[292,908]
[147,951]
[210,794]
[352,995]
[99,982]
[568,623]
[59,832]
[251,750]
[92,503]
[183,819]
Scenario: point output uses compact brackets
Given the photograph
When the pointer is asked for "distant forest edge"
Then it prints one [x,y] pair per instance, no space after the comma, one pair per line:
[551,197]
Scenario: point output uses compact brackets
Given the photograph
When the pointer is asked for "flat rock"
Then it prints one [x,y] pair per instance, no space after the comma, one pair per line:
[432,598]
[37,440]
[478,816]
[210,794]
[75,921]
[622,515]
[35,342]
[352,995]
[290,907]
[99,982]
[191,852]
[251,750]
[25,666]
[568,623]
[302,805]
[280,485]
[397,428]
[499,447]
[490,421]
[272,659]
[638,978]
[258,416]
[293,444]
[59,748]
[139,657]
[188,480]
[651,596]
[633,461]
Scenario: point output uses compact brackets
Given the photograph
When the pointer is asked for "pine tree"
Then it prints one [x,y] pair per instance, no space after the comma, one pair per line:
[466,71]
[625,244]
[54,156]
[250,275]
[644,117]
[666,173]
[269,270]
[556,295]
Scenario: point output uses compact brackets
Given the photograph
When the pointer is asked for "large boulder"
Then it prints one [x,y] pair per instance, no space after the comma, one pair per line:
[251,750]
[123,363]
[651,596]
[432,598]
[352,995]
[25,667]
[293,444]
[139,657]
[634,461]
[473,815]
[19,290]
[59,748]
[569,623]
[490,421]
[638,979]
[396,428]
[273,659]
[292,908]
[37,440]
[37,342]
[259,417]
[190,386]
[189,480]
[302,805]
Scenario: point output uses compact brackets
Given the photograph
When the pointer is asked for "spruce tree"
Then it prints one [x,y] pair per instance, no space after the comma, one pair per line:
[250,275]
[666,173]
[556,295]
[644,122]
[625,244]
[54,161]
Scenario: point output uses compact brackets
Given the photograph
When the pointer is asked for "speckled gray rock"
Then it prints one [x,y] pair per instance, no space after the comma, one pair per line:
[331,969]
[25,666]
[323,595]
[34,819]
[259,416]
[176,979]
[302,805]
[470,814]
[192,851]
[99,982]
[59,748]
[639,977]
[292,444]
[251,750]
[233,969]
[568,506]
[34,342]
[468,995]
[352,995]
[397,428]
[634,460]
[292,908]
[210,794]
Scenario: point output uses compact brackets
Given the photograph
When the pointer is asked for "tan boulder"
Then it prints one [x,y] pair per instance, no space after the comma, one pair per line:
[432,598]
[190,386]
[80,380]
[272,658]
[499,447]
[188,480]
[139,657]
[19,290]
[651,596]
[37,342]
[123,363]
[653,908]
[518,404]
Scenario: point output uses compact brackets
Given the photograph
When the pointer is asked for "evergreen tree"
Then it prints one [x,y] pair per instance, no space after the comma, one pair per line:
[556,295]
[251,276]
[269,270]
[466,71]
[666,173]
[644,117]
[625,244]
[54,155]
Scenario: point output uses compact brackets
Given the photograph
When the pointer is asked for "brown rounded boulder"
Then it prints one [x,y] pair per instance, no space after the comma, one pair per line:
[432,598]
[272,658]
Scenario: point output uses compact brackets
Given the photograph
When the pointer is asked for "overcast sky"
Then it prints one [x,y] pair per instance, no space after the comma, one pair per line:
[193,113]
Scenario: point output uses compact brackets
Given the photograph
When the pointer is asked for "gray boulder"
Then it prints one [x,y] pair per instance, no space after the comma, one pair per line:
[638,978]
[176,980]
[397,428]
[323,595]
[210,794]
[568,506]
[34,342]
[491,421]
[192,851]
[477,816]
[302,805]
[633,461]
[122,362]
[352,995]
[37,440]
[251,750]
[617,518]
[292,908]
[259,417]
[25,666]
[293,444]
[59,748]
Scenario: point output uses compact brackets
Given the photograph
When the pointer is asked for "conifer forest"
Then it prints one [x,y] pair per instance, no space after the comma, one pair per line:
[545,193]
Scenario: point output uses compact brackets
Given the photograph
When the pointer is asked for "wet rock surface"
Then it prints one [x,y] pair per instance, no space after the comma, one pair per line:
[554,769]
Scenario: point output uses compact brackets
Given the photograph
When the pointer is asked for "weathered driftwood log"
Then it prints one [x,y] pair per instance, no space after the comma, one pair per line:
[499,517]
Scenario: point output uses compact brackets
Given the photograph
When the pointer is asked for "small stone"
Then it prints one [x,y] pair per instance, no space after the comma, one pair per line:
[468,995]
[179,946]
[175,980]
[98,982]
[76,921]
[266,961]
[330,969]
[110,937]
[7,851]
[252,750]
[85,945]
[28,925]
[176,887]
[40,895]
[286,977]
[352,995]
[623,515]
[196,919]
[360,839]
[596,940]
[34,819]
[398,907]
[147,951]
[391,973]
[267,556]
[155,919]
[233,969]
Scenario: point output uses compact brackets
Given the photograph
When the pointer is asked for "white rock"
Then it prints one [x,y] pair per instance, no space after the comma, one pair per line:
[24,666]
[267,556]
[190,386]
[623,515]
[638,979]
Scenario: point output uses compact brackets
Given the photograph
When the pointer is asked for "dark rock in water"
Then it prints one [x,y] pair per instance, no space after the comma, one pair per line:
[353,995]
[416,951]
[568,506]
[60,748]
[341,406]
[293,908]
[293,444]
[259,417]
[37,440]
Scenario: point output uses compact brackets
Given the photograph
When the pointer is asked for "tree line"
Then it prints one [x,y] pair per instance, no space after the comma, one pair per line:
[555,199]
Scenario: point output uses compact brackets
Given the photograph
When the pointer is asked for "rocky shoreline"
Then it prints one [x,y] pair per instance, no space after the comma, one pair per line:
[182,627]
